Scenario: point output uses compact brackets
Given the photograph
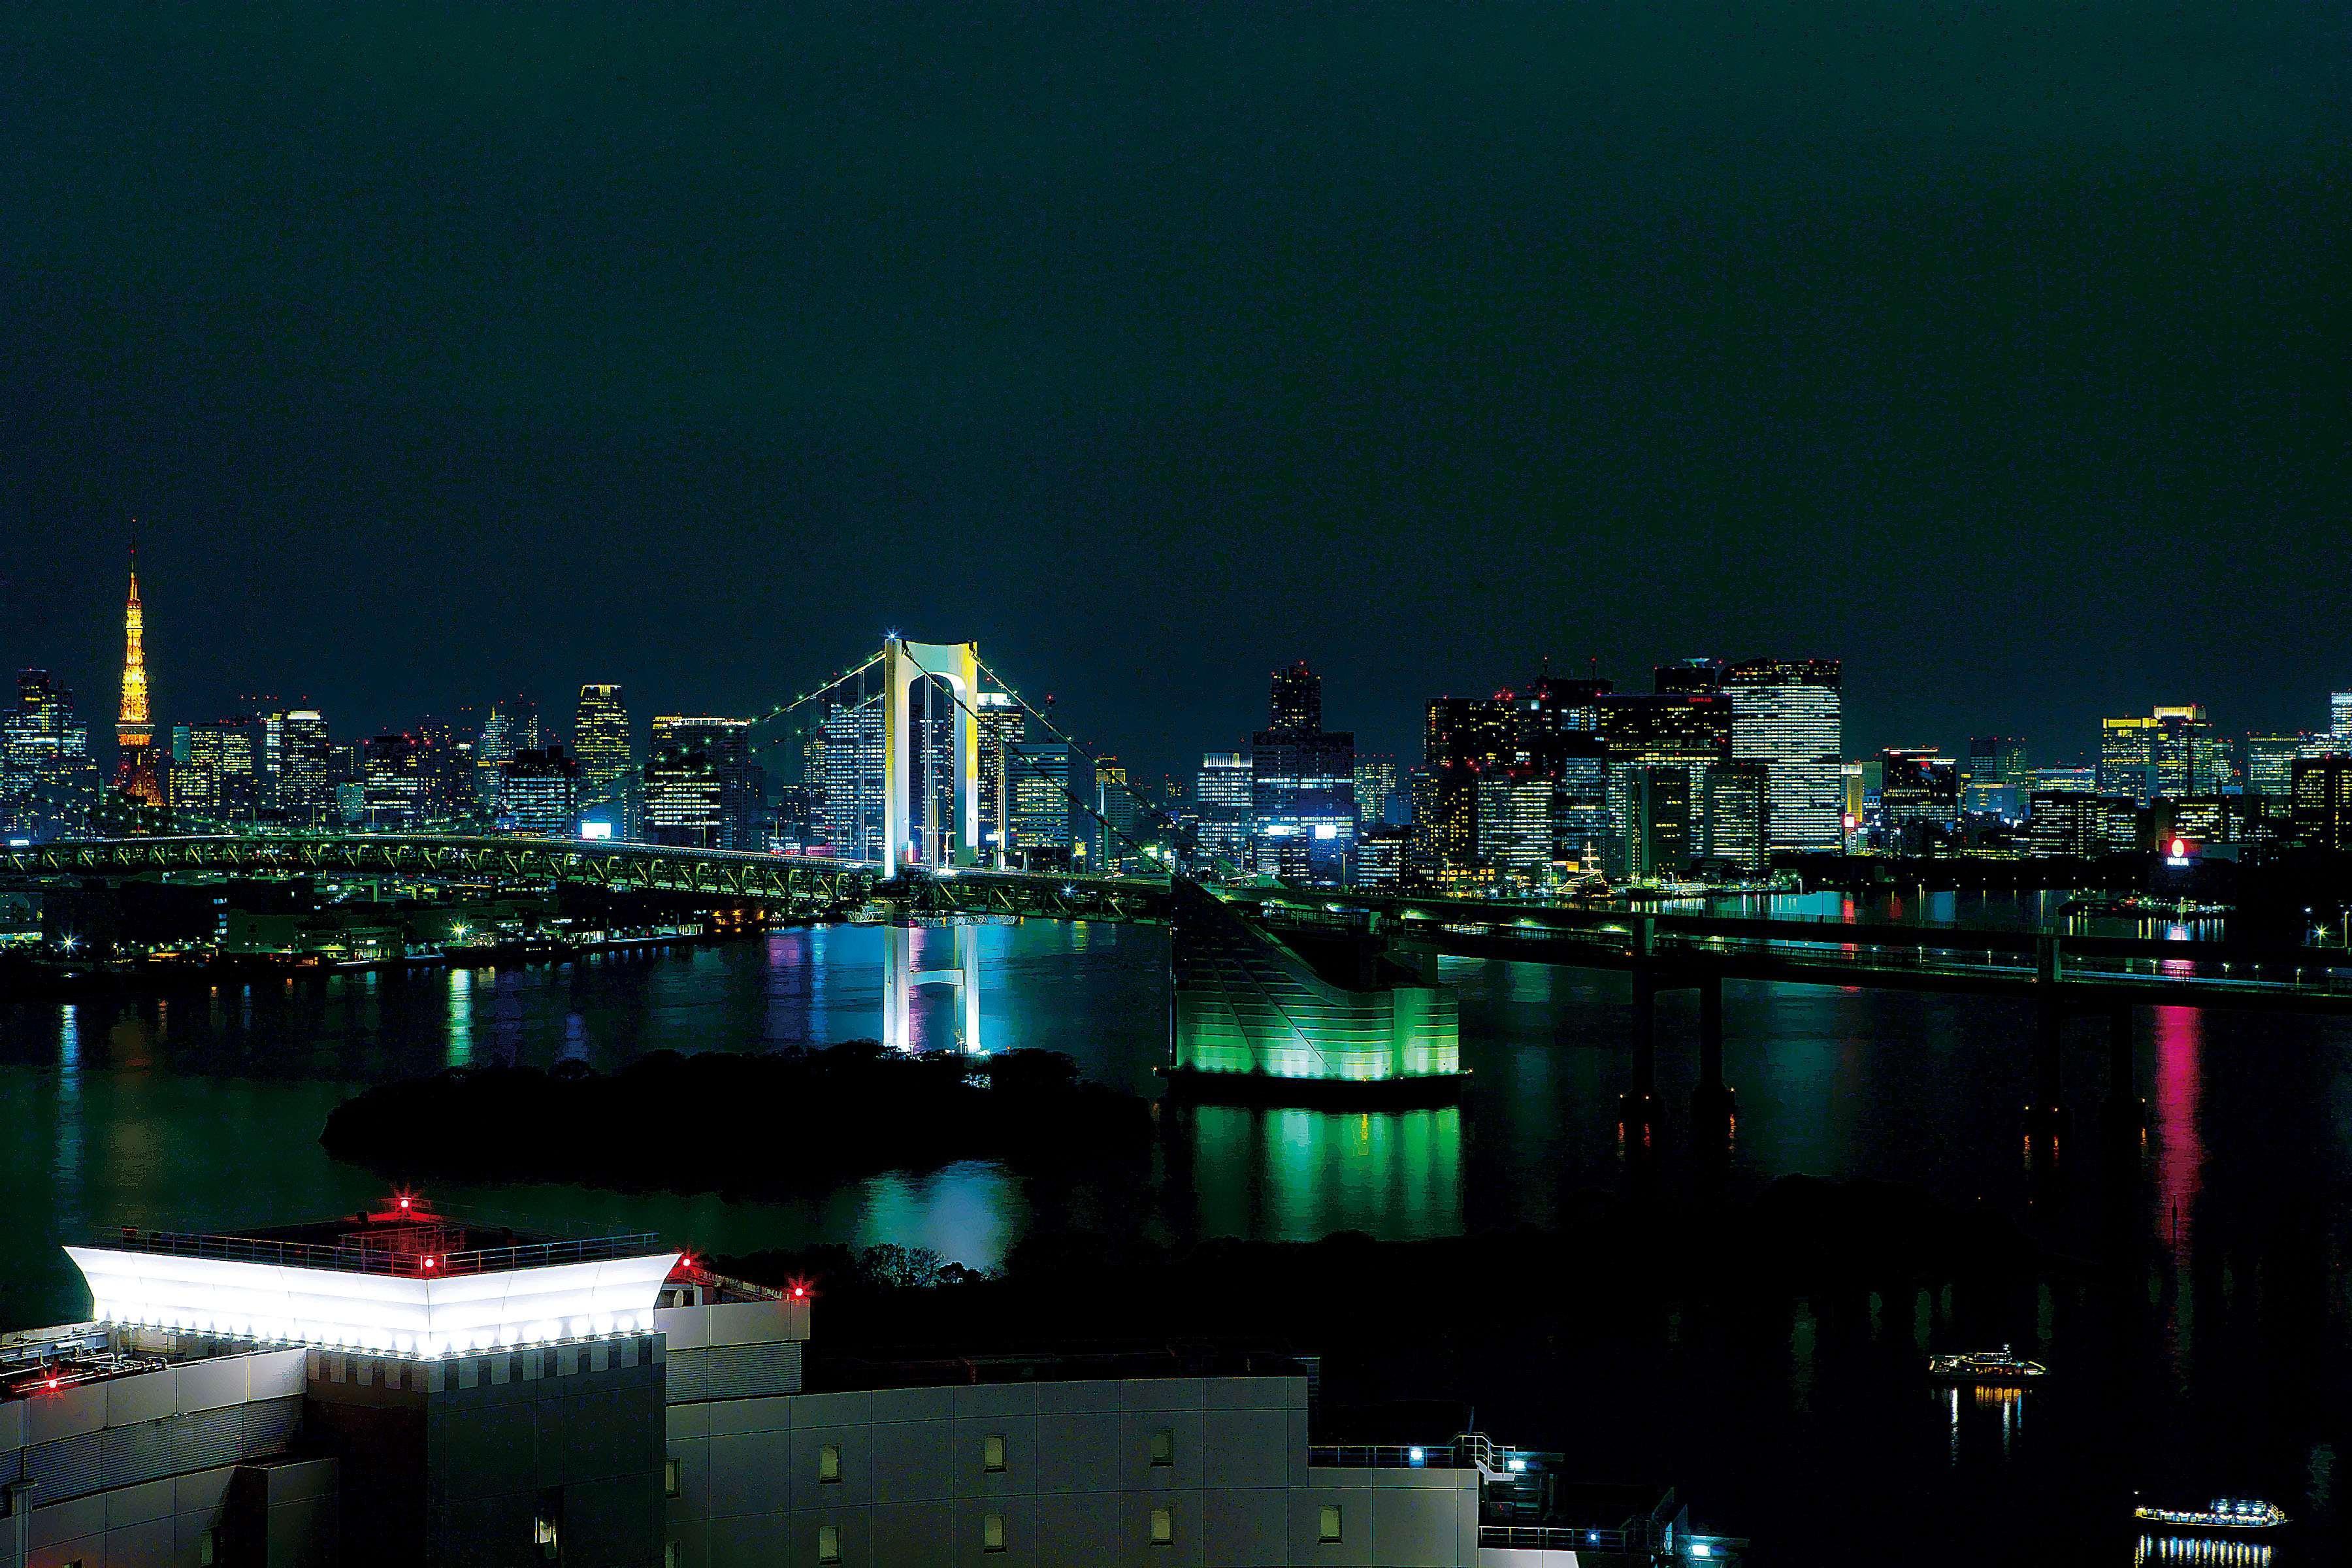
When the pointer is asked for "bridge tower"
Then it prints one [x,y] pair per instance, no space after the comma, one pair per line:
[901,978]
[903,663]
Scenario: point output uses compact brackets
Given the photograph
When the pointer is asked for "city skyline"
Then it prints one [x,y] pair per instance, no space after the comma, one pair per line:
[1391,722]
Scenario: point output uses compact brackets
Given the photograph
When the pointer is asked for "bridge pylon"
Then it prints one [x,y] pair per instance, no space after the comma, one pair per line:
[903,663]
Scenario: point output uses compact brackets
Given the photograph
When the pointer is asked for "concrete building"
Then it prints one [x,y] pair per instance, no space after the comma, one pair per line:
[401,1387]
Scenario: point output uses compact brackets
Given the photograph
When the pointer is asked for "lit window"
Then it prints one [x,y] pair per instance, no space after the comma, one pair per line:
[828,1463]
[208,1546]
[1164,1446]
[991,1452]
[669,1554]
[669,1477]
[1326,1523]
[1163,1527]
[547,1524]
[828,1543]
[991,1533]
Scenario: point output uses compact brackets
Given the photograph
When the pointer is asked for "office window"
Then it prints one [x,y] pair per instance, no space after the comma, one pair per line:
[828,1463]
[208,1547]
[1326,1523]
[828,1543]
[991,1533]
[1164,1446]
[991,1452]
[669,1477]
[547,1524]
[1163,1527]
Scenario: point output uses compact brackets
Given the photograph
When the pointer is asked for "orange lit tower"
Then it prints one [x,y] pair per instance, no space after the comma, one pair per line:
[134,732]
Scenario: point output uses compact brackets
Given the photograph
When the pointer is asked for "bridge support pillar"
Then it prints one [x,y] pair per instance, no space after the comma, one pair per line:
[1713,1097]
[1640,1105]
[2045,1112]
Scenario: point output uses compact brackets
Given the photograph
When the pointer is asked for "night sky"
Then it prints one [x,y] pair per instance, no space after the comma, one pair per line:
[2000,350]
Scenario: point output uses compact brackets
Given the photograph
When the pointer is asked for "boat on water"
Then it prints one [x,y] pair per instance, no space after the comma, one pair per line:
[2232,1514]
[1984,1366]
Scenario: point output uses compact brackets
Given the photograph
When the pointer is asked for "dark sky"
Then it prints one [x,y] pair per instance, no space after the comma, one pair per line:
[1998,348]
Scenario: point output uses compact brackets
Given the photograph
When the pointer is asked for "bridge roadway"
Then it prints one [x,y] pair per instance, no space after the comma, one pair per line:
[1670,948]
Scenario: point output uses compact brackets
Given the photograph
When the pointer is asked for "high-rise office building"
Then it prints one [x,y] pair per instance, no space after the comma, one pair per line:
[2064,823]
[1302,785]
[1221,803]
[2322,811]
[1048,778]
[1580,765]
[299,761]
[137,777]
[2063,781]
[1918,797]
[1738,815]
[2270,764]
[2172,751]
[508,728]
[600,741]
[1786,714]
[1993,779]
[48,779]
[1462,739]
[1376,788]
[1689,730]
[1117,817]
[221,779]
[998,721]
[2339,719]
[843,762]
[1298,699]
[726,744]
[394,783]
[542,792]
[1658,831]
[685,799]
[1515,827]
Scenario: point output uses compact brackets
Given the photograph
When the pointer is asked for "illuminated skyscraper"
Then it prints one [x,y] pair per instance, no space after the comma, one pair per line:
[1000,722]
[49,781]
[1376,786]
[1221,802]
[1788,715]
[395,789]
[1687,730]
[1738,815]
[1297,701]
[600,740]
[2339,719]
[685,799]
[1994,778]
[2323,802]
[1302,785]
[2173,751]
[542,791]
[1116,806]
[297,755]
[135,773]
[1918,797]
[2270,764]
[726,744]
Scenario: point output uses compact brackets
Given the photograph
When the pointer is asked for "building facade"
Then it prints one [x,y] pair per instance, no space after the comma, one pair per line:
[1786,715]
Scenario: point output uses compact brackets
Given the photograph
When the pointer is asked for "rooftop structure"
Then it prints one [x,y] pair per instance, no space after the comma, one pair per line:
[403,1280]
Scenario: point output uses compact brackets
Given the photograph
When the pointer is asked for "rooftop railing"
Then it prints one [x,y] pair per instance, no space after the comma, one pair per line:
[380,1260]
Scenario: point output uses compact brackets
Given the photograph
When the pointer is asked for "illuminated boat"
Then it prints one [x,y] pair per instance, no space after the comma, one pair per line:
[2232,1514]
[1999,1367]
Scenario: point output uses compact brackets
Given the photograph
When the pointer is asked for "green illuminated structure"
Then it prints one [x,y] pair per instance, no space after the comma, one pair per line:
[1255,1011]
